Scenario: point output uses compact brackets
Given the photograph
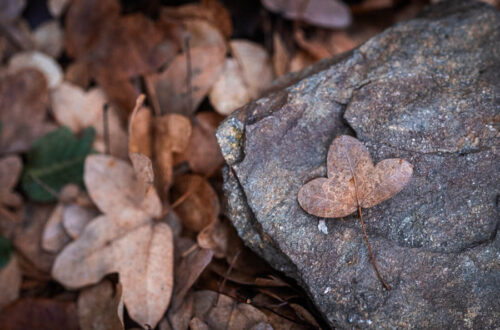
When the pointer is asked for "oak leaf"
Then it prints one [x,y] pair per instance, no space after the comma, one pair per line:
[126,240]
[352,180]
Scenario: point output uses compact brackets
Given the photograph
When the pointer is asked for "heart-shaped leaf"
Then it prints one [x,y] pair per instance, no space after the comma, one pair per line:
[352,180]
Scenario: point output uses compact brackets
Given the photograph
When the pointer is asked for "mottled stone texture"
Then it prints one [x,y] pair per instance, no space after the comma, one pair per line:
[427,90]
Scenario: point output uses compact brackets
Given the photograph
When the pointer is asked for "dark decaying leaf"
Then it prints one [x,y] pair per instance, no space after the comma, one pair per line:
[40,313]
[54,161]
[100,307]
[353,179]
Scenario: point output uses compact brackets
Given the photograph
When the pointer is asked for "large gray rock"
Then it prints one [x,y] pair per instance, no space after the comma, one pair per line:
[427,90]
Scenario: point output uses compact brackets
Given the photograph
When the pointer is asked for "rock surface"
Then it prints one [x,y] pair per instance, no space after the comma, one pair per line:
[427,90]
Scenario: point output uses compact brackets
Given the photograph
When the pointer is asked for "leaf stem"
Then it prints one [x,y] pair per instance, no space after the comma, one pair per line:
[370,250]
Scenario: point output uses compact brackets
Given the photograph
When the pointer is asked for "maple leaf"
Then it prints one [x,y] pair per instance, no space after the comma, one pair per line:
[353,182]
[126,239]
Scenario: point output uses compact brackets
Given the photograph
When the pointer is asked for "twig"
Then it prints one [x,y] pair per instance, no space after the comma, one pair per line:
[105,124]
[221,287]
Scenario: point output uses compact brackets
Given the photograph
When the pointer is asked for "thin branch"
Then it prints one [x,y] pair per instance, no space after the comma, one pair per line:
[105,124]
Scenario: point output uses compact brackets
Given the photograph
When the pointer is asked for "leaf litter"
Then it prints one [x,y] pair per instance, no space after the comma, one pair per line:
[108,158]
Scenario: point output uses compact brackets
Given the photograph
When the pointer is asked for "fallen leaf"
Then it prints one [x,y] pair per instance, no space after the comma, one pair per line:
[28,236]
[255,64]
[200,205]
[203,152]
[323,13]
[179,317]
[57,7]
[77,109]
[171,85]
[126,240]
[353,179]
[84,22]
[281,57]
[100,307]
[171,135]
[48,38]
[227,313]
[353,183]
[10,169]
[54,161]
[209,10]
[201,34]
[77,73]
[37,60]
[54,237]
[301,60]
[76,218]
[39,313]
[11,10]
[229,91]
[143,168]
[23,100]
[187,272]
[10,280]
[140,130]
[220,237]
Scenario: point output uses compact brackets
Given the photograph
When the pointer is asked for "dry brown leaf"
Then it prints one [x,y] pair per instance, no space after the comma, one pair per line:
[171,135]
[77,109]
[36,60]
[54,237]
[323,13]
[23,100]
[201,34]
[48,38]
[10,169]
[353,179]
[220,237]
[11,10]
[200,205]
[100,307]
[76,218]
[126,240]
[27,239]
[179,317]
[143,168]
[227,313]
[10,282]
[77,73]
[140,130]
[39,313]
[318,50]
[209,10]
[203,152]
[187,272]
[84,22]
[229,91]
[281,58]
[171,85]
[131,46]
[255,65]
[301,60]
